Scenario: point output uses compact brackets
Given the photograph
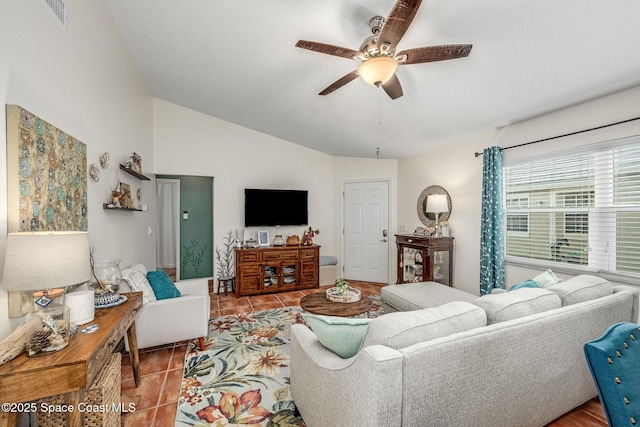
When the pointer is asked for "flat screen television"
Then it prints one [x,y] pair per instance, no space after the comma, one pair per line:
[269,208]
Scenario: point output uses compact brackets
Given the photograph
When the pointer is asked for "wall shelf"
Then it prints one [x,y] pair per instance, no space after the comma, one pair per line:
[120,208]
[134,173]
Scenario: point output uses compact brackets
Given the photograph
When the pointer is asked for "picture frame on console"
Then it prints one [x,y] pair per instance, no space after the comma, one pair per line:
[263,238]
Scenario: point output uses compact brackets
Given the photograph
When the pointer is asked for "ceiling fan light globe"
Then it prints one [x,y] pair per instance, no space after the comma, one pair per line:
[377,71]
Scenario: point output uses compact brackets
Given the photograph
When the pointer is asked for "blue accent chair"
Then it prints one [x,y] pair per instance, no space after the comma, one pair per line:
[614,362]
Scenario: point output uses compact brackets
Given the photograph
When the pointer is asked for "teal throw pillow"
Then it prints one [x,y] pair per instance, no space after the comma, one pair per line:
[546,279]
[344,336]
[530,283]
[162,285]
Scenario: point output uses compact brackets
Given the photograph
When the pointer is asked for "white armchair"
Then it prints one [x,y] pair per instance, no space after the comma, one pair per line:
[171,320]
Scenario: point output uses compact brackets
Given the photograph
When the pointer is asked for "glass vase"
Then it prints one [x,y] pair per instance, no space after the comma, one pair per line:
[278,240]
[106,275]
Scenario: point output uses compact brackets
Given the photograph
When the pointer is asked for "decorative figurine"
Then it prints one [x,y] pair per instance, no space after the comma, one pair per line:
[307,237]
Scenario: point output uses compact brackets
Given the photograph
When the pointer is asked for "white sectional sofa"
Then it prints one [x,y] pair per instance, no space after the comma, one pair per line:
[512,359]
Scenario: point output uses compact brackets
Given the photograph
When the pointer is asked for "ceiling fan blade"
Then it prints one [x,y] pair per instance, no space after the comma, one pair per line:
[328,49]
[433,53]
[340,82]
[393,87]
[398,23]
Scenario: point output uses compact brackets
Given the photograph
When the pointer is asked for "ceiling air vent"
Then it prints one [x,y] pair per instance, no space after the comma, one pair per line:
[59,10]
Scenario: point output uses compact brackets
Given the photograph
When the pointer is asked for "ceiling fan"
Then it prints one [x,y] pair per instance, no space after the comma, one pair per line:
[378,52]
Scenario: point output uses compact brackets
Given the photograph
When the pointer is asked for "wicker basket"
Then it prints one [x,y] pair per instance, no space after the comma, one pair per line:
[105,390]
[350,295]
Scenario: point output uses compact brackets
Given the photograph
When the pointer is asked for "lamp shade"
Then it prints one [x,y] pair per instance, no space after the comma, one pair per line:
[377,71]
[42,260]
[437,203]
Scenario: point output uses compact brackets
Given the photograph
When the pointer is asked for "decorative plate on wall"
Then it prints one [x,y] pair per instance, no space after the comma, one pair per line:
[104,160]
[94,172]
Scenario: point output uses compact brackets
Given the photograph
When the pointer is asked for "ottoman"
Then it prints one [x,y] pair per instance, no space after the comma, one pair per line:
[416,296]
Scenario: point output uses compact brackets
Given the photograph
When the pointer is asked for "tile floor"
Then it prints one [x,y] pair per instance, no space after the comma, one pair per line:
[161,367]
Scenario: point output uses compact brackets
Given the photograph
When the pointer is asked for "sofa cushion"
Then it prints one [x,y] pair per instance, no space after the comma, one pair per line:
[136,278]
[522,302]
[402,329]
[162,285]
[343,336]
[546,278]
[581,288]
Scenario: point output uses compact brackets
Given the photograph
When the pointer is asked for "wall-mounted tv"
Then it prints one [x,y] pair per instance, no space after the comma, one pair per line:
[269,208]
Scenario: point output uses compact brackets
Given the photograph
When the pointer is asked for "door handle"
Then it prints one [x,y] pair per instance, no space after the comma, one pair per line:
[383,240]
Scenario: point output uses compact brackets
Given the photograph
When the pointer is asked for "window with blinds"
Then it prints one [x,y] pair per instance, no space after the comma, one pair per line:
[582,209]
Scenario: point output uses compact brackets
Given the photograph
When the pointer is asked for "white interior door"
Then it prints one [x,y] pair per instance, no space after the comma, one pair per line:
[168,235]
[366,231]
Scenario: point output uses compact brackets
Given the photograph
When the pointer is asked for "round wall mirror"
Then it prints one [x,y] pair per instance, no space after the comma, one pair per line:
[429,218]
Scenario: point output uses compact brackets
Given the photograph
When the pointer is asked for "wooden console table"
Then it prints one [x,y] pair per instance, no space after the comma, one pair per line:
[71,370]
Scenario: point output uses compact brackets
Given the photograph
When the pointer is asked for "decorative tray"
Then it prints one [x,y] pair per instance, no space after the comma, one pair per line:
[350,295]
[119,301]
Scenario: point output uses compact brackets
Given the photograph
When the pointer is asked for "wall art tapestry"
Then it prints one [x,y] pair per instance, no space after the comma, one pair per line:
[46,175]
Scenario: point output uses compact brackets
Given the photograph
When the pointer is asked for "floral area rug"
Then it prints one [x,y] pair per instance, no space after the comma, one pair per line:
[242,376]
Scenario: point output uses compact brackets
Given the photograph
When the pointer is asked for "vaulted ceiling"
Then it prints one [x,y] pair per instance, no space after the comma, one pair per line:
[237,61]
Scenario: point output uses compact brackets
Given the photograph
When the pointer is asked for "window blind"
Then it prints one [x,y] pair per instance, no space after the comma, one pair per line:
[581,209]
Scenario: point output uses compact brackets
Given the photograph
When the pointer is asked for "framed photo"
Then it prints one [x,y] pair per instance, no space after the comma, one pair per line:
[263,238]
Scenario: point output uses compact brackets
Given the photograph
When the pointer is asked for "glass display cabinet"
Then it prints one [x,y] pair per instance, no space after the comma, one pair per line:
[425,259]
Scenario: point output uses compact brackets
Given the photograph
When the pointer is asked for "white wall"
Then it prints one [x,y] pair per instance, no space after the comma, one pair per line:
[190,143]
[84,82]
[349,169]
[455,168]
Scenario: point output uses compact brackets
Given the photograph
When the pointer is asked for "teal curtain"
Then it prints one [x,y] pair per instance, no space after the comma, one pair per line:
[492,232]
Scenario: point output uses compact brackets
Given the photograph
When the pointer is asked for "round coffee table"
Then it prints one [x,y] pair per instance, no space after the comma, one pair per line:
[317,303]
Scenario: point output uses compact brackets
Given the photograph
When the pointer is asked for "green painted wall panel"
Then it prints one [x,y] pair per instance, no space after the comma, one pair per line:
[196,232]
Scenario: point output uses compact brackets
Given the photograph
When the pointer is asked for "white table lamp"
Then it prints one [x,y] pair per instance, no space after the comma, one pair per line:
[42,261]
[437,204]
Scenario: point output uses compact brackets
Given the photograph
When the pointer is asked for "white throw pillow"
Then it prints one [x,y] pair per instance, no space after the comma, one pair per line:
[136,277]
[546,278]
